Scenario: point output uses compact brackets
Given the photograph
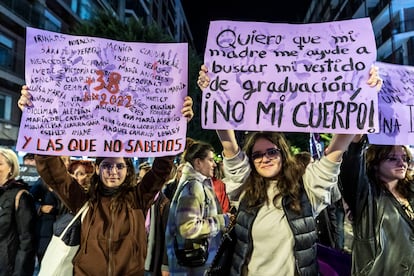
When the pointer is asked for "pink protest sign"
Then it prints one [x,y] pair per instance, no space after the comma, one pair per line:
[101,97]
[290,77]
[396,106]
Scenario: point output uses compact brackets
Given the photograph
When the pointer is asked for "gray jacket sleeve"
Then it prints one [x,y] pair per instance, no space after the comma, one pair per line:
[321,182]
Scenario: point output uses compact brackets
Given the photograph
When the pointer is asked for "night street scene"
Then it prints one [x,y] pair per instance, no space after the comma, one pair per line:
[177,137]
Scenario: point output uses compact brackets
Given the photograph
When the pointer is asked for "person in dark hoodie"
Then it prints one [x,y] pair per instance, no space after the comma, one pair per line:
[17,219]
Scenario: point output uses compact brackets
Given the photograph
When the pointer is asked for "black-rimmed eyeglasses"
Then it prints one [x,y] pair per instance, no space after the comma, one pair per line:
[271,154]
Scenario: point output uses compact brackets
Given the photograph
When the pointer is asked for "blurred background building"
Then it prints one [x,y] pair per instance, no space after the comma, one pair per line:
[392,21]
[59,16]
[393,25]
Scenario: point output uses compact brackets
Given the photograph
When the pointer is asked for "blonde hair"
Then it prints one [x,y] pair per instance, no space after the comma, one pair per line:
[12,161]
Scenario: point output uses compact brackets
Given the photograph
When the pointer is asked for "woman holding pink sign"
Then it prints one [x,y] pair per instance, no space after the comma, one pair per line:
[279,199]
[113,235]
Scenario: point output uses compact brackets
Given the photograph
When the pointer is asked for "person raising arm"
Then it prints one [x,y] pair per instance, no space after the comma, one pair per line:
[113,234]
[275,193]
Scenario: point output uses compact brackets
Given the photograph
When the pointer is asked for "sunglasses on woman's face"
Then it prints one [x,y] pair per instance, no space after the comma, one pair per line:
[271,154]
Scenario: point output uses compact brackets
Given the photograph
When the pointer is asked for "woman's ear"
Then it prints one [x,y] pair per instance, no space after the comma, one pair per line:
[196,163]
[97,169]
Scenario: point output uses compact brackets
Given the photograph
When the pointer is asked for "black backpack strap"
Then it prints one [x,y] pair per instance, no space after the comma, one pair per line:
[18,196]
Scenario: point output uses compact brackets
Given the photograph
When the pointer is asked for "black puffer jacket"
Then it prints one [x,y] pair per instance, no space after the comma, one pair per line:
[17,251]
[383,234]
[302,226]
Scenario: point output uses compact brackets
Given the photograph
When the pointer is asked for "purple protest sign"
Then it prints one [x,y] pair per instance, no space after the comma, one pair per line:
[101,97]
[396,106]
[290,77]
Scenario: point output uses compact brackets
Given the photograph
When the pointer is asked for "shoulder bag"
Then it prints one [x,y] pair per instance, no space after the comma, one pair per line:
[222,260]
[64,245]
[195,253]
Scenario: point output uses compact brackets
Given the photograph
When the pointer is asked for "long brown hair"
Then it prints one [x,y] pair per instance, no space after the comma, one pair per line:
[123,193]
[374,155]
[288,180]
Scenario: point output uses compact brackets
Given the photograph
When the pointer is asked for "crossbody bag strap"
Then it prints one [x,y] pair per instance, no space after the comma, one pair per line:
[81,213]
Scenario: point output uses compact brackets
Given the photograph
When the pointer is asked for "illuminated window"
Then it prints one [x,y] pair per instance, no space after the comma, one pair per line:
[6,52]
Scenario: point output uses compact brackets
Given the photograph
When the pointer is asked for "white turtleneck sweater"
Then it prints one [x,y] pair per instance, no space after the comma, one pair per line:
[273,239]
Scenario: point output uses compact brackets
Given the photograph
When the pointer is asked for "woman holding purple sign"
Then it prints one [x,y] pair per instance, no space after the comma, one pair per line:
[113,235]
[279,199]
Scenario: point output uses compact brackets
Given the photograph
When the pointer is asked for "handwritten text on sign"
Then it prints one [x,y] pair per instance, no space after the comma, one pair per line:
[101,97]
[300,78]
[396,106]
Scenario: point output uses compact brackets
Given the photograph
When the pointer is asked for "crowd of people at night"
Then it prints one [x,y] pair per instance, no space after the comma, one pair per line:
[142,217]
